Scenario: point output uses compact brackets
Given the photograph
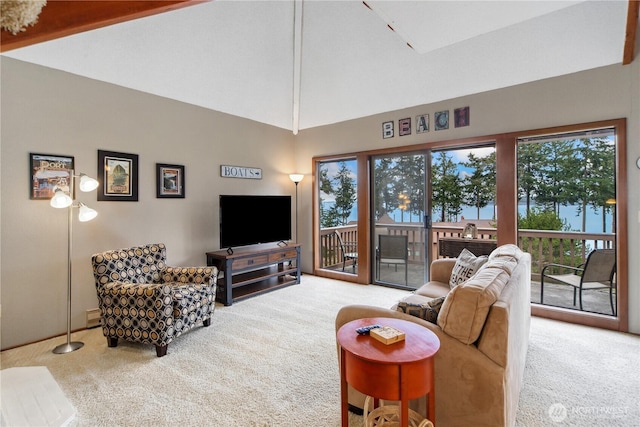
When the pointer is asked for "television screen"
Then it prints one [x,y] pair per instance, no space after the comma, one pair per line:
[249,220]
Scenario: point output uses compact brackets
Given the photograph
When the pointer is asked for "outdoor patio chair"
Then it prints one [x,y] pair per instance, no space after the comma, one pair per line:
[597,272]
[349,252]
[393,250]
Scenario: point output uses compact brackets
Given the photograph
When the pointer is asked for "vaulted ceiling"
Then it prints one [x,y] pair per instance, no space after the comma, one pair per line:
[299,64]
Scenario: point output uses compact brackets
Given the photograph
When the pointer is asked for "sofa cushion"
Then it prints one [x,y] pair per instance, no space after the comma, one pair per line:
[466,266]
[506,263]
[465,308]
[427,311]
[508,250]
[433,290]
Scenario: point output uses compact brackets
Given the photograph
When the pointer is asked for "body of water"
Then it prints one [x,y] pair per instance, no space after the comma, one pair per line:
[569,213]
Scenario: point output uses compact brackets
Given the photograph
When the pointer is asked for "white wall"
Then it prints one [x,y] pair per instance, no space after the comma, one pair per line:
[601,94]
[52,112]
[48,111]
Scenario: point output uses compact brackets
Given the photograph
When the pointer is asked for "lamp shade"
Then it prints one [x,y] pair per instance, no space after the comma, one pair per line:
[85,213]
[87,183]
[60,199]
[296,177]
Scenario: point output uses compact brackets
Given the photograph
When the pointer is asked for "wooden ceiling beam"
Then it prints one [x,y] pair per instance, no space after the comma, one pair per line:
[631,33]
[60,18]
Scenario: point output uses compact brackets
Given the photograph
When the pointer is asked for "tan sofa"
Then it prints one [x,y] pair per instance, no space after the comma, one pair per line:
[483,328]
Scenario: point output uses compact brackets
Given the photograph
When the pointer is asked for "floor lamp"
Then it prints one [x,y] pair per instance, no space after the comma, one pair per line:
[296,178]
[62,200]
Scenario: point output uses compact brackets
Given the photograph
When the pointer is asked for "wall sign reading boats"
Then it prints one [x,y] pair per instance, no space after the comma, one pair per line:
[227,171]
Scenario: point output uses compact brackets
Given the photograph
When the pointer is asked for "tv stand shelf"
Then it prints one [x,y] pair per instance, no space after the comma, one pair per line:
[255,270]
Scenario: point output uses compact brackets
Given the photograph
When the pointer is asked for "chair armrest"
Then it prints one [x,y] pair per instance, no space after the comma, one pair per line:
[350,245]
[155,298]
[207,276]
[575,270]
[441,269]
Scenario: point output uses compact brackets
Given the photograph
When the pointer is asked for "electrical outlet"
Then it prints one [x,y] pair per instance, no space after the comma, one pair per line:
[93,318]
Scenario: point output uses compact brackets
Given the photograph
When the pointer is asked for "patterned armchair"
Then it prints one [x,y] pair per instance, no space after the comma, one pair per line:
[143,300]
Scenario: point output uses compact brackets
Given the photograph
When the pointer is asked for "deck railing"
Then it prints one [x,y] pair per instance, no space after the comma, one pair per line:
[562,247]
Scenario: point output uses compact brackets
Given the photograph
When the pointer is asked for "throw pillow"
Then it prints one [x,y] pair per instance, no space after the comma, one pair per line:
[466,266]
[428,311]
[467,306]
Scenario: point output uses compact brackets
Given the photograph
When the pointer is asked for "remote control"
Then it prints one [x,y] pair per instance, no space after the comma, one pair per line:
[365,329]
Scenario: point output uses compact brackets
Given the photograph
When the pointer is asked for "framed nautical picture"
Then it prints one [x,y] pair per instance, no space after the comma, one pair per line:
[118,176]
[169,181]
[48,172]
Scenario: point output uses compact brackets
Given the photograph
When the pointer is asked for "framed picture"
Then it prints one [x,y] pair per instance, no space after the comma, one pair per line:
[404,126]
[441,120]
[422,123]
[118,176]
[48,171]
[387,130]
[169,181]
[461,117]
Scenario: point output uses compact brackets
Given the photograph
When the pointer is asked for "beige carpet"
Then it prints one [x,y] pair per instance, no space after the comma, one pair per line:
[271,361]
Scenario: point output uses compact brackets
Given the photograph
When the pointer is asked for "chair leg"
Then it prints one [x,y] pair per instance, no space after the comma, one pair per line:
[112,341]
[611,300]
[542,289]
[206,322]
[161,350]
[406,274]
[574,297]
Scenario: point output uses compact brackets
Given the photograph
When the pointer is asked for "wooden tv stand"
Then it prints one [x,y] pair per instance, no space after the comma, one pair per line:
[255,270]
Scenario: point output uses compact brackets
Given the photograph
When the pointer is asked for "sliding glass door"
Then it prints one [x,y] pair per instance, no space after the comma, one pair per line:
[567,218]
[338,215]
[399,201]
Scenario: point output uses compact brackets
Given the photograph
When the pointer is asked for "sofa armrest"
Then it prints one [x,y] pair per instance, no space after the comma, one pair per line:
[207,276]
[441,269]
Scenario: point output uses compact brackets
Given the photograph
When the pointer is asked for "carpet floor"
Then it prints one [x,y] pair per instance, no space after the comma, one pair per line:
[271,361]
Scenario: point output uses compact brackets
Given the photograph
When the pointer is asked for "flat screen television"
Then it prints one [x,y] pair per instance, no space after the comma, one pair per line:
[252,219]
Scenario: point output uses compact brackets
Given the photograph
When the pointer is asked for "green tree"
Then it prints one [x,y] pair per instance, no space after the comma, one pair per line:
[409,184]
[384,182]
[546,219]
[555,177]
[605,164]
[345,191]
[414,177]
[446,185]
[592,172]
[480,186]
[328,217]
[530,159]
[542,219]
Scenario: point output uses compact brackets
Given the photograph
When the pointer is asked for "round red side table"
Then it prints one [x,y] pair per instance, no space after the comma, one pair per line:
[400,371]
